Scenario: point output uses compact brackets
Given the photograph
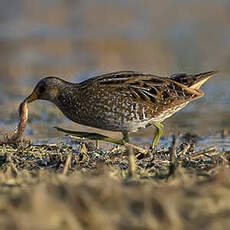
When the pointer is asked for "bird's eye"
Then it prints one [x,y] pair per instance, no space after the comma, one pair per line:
[41,88]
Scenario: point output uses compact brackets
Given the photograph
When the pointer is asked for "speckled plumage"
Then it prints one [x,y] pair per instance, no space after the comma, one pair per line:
[122,101]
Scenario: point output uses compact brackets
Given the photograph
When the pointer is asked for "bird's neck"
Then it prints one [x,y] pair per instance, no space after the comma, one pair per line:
[68,98]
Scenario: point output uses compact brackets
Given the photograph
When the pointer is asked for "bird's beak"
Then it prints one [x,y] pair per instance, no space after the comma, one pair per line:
[32,97]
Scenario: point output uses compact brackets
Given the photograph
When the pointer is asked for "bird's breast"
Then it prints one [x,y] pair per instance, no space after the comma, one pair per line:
[104,111]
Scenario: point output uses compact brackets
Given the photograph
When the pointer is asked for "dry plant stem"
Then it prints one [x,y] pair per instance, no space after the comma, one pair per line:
[67,163]
[185,148]
[145,151]
[23,117]
[132,164]
[224,133]
[204,153]
[172,167]
[83,149]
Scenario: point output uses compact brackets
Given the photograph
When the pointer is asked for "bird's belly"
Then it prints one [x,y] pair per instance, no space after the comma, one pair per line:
[108,120]
[169,112]
[115,119]
[113,123]
[122,116]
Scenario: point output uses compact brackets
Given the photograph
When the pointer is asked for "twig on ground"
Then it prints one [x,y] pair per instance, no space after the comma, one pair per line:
[67,163]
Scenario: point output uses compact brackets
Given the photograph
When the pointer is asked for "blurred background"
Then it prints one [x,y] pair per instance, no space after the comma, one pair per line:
[78,39]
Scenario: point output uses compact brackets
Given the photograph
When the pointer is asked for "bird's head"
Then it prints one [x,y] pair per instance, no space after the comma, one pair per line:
[46,89]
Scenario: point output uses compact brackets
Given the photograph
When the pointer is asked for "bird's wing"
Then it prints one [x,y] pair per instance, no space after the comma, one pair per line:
[149,88]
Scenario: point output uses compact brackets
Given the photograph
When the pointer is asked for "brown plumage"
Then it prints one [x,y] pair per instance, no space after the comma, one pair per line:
[122,101]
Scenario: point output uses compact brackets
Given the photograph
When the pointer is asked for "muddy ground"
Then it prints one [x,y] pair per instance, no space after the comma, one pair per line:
[175,188]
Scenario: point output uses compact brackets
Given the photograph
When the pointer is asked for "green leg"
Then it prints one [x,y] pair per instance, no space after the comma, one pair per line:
[97,137]
[159,132]
[125,136]
[93,136]
[98,144]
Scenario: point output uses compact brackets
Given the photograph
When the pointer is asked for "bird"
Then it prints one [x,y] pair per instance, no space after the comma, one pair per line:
[123,101]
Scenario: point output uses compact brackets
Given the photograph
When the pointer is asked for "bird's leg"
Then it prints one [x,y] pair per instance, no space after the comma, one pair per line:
[97,144]
[91,136]
[125,136]
[97,136]
[159,132]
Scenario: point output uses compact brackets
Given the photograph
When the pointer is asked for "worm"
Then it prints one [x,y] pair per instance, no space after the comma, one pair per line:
[23,117]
